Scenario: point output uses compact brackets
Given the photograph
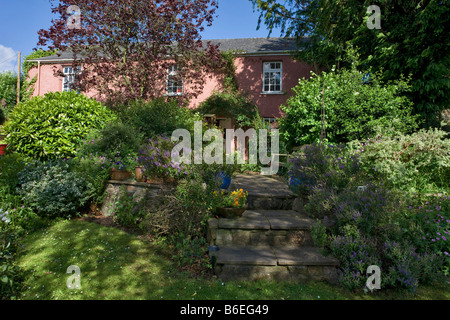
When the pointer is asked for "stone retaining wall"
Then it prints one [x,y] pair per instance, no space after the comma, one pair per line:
[255,237]
[277,273]
[138,190]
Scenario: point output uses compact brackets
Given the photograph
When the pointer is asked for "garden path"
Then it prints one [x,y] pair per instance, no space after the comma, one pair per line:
[270,240]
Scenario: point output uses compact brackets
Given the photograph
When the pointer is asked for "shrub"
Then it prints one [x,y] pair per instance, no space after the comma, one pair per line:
[22,219]
[426,225]
[117,144]
[156,158]
[327,167]
[405,268]
[230,104]
[406,236]
[11,275]
[52,189]
[180,218]
[417,162]
[96,171]
[10,166]
[127,212]
[2,115]
[355,254]
[353,110]
[52,126]
[157,117]
[8,91]
[319,234]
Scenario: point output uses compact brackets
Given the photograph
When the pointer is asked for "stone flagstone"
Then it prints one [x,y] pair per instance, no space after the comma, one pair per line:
[247,255]
[270,240]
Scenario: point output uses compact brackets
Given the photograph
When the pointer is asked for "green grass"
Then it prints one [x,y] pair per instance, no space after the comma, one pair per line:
[117,265]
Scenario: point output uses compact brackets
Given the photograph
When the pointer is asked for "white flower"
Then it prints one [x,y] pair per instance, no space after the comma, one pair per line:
[4,216]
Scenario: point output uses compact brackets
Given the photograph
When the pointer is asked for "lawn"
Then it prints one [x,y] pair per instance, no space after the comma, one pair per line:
[116,265]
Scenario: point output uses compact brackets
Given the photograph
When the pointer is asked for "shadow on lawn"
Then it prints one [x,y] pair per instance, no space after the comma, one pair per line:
[113,264]
[116,265]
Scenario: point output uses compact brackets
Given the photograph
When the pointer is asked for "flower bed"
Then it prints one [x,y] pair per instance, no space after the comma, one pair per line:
[372,223]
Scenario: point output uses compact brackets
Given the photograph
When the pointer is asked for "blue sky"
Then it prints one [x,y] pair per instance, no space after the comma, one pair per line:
[20,21]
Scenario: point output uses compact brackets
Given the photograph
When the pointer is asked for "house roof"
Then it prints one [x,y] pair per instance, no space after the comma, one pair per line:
[257,45]
[243,46]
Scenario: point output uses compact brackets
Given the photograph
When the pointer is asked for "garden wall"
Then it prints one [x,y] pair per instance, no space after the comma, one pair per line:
[138,190]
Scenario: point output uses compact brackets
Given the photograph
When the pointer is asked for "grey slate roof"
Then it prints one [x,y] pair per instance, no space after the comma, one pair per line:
[256,45]
[250,46]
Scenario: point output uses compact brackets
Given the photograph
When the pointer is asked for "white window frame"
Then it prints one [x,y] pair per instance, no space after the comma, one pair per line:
[177,88]
[270,120]
[69,77]
[270,68]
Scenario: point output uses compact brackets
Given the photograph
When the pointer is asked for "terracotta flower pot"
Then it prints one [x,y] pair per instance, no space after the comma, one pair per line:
[3,148]
[120,175]
[231,213]
[139,173]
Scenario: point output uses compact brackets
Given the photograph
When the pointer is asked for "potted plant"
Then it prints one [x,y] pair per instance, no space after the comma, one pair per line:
[122,166]
[231,204]
[139,174]
[2,144]
[225,174]
[156,161]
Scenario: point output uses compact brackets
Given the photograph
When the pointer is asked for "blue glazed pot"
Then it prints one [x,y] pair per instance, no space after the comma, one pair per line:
[293,182]
[225,180]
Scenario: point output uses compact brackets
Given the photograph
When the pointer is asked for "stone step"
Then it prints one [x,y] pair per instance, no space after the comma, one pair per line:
[264,192]
[270,202]
[274,263]
[262,227]
[272,240]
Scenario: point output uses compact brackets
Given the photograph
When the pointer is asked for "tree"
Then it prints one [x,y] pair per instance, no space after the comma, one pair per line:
[353,108]
[125,47]
[413,40]
[8,82]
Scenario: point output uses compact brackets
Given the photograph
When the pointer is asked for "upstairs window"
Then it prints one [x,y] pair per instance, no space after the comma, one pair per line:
[272,77]
[174,83]
[70,74]
[269,120]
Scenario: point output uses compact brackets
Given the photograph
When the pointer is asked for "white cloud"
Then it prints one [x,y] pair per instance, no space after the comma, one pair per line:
[8,59]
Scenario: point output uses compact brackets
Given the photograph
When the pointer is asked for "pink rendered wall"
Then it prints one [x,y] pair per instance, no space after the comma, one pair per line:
[249,73]
[46,82]
[250,79]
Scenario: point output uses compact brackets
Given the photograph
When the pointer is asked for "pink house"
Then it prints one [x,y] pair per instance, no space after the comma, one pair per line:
[265,70]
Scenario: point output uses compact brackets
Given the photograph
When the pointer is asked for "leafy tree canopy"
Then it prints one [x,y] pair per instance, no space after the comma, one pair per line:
[344,105]
[413,40]
[126,47]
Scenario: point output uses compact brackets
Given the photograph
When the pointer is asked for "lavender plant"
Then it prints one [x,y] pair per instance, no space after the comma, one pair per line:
[372,223]
[325,167]
[155,157]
